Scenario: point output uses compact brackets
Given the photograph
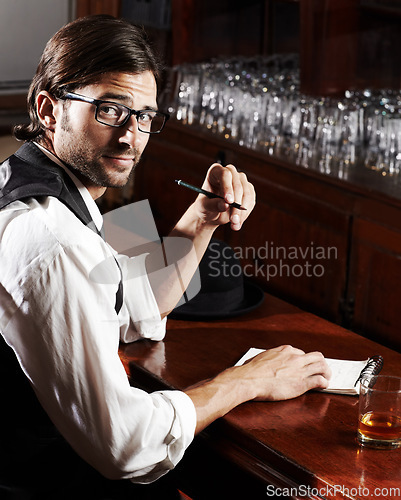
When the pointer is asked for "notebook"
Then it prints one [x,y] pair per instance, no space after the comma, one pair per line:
[345,374]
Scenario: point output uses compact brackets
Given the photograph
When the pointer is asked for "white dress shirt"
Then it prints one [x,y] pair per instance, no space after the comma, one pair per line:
[65,332]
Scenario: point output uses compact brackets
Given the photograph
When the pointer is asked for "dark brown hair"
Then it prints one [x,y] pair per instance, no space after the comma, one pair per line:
[79,53]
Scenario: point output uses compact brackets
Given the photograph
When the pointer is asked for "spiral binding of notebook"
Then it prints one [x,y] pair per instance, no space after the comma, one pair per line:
[372,368]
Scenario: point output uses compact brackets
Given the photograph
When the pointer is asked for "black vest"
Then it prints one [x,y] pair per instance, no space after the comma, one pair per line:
[31,174]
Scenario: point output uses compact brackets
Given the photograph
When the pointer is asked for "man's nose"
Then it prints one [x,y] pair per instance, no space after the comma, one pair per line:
[131,134]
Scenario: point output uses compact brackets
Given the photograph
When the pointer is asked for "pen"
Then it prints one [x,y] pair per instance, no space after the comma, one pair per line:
[207,193]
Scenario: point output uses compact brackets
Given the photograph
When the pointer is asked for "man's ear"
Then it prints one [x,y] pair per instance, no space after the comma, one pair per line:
[48,109]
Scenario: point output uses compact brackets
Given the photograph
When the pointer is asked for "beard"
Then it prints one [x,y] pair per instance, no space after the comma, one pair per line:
[90,165]
[86,160]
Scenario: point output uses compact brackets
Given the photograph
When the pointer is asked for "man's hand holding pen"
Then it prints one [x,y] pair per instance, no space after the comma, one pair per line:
[233,186]
[213,207]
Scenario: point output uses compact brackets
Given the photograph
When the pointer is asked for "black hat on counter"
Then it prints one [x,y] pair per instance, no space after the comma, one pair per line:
[224,292]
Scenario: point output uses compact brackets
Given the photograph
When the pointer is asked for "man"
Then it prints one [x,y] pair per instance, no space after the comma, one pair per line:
[92,105]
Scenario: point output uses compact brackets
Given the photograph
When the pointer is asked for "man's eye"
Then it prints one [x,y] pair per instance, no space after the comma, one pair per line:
[147,117]
[110,110]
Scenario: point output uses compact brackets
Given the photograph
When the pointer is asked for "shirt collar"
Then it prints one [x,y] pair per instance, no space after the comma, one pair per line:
[89,201]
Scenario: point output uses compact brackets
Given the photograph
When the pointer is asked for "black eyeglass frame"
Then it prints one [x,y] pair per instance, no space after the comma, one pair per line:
[97,102]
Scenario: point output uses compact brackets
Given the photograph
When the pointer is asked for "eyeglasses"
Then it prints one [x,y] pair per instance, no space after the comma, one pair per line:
[116,115]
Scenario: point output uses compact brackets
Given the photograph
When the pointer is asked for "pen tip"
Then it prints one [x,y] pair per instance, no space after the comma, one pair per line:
[177,181]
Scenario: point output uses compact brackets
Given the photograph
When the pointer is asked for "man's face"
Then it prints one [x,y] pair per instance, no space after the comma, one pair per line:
[105,156]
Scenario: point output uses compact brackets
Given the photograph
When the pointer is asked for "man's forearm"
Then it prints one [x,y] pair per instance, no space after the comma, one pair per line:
[198,225]
[179,260]
[216,397]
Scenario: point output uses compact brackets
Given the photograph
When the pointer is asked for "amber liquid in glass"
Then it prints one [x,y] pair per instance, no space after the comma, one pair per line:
[381,426]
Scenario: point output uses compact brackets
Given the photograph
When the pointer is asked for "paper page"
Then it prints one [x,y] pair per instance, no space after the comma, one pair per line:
[344,374]
[253,351]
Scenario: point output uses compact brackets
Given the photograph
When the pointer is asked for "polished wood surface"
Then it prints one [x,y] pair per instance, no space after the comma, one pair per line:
[307,443]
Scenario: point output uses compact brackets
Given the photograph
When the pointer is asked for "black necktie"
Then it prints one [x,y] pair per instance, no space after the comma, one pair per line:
[120,291]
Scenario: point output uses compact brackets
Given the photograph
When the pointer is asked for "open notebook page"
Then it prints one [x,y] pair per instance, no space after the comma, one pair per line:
[345,373]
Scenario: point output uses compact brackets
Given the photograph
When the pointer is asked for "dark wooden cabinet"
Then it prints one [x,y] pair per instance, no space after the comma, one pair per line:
[295,246]
[89,7]
[375,281]
[342,44]
[330,245]
[296,242]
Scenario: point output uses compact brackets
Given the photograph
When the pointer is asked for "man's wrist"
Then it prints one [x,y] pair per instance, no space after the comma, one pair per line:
[191,225]
[216,397]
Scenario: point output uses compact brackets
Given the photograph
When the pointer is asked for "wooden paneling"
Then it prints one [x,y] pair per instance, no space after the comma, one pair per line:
[329,37]
[379,45]
[375,281]
[88,7]
[294,254]
[207,29]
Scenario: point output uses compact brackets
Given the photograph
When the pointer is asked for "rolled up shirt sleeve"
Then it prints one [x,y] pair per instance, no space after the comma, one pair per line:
[179,436]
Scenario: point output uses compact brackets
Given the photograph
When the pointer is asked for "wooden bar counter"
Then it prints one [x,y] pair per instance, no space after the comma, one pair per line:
[301,448]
